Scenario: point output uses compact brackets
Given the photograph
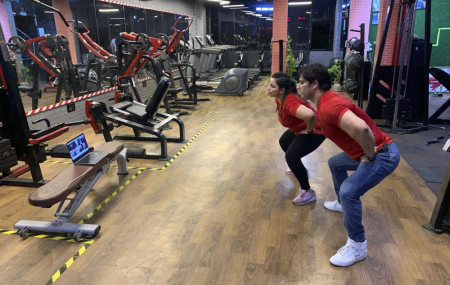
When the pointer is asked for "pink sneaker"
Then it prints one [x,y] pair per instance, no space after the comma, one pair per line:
[305,197]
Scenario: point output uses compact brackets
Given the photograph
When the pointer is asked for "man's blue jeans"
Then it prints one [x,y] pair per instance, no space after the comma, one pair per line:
[349,189]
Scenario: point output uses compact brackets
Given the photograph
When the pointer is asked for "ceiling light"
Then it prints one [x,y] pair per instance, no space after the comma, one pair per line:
[108,10]
[238,8]
[299,3]
[221,2]
[233,6]
[264,9]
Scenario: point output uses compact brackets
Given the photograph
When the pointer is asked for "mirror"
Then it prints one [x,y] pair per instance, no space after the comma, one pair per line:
[98,21]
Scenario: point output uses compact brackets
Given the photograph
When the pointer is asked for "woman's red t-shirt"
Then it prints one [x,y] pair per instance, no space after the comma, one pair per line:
[287,112]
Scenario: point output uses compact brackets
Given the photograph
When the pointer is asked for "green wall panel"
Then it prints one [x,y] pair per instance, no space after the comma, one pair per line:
[440,26]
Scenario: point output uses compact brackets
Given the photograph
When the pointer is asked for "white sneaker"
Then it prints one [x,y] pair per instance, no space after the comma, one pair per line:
[350,253]
[289,172]
[333,206]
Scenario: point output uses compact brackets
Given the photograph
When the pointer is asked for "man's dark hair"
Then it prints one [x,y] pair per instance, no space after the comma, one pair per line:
[316,71]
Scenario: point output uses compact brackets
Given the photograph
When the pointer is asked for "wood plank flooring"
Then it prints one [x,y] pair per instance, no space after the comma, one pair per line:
[221,213]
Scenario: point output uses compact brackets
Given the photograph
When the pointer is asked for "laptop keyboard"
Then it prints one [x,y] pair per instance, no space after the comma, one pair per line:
[92,157]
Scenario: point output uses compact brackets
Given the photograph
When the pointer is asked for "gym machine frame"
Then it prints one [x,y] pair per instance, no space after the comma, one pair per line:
[406,29]
[29,147]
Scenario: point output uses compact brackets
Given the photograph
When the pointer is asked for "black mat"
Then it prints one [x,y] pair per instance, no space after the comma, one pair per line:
[430,162]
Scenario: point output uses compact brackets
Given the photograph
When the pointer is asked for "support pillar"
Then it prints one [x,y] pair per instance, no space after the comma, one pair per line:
[337,30]
[61,28]
[390,45]
[279,32]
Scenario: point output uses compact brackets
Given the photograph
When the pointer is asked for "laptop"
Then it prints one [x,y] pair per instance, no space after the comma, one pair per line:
[81,153]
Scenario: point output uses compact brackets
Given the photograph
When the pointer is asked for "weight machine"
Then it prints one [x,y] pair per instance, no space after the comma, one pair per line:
[142,118]
[399,93]
[52,54]
[29,147]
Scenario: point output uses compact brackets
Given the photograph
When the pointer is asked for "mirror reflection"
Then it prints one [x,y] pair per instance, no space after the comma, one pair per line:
[55,62]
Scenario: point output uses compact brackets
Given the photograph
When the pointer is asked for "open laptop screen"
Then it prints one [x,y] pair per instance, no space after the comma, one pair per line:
[78,147]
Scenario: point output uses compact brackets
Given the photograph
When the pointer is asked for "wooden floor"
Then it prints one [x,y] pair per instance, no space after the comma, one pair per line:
[221,213]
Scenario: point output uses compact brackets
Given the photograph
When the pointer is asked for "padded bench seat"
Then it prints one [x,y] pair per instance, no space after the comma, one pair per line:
[133,108]
[71,178]
[122,105]
[137,110]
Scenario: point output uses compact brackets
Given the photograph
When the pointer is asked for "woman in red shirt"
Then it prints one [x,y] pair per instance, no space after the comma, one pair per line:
[303,135]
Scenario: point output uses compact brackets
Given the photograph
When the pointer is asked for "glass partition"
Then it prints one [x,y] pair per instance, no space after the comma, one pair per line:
[226,35]
[322,24]
[31,22]
[135,20]
[110,22]
[299,30]
[84,16]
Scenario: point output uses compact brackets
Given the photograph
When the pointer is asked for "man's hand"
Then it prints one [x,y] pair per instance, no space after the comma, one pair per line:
[368,157]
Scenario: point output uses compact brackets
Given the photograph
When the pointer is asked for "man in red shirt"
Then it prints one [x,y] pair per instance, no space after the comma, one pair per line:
[368,152]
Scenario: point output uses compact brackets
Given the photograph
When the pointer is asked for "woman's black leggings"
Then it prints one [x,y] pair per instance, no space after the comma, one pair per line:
[296,147]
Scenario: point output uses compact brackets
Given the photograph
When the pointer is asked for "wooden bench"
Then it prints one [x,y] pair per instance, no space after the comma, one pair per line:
[75,178]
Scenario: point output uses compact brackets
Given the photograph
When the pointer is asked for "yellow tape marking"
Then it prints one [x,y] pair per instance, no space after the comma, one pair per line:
[68,263]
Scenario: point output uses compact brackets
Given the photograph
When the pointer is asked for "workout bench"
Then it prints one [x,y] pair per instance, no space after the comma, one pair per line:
[75,178]
[141,118]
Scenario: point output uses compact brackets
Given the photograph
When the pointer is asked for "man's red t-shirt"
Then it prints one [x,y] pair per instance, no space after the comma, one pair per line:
[287,112]
[331,107]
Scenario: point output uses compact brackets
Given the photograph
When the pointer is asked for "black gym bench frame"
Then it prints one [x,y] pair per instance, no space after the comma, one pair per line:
[139,117]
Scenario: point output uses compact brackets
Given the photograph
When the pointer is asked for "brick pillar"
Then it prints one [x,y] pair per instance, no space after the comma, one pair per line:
[360,13]
[279,28]
[62,29]
[390,46]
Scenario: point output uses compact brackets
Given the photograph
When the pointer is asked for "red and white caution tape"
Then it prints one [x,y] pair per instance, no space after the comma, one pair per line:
[46,108]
